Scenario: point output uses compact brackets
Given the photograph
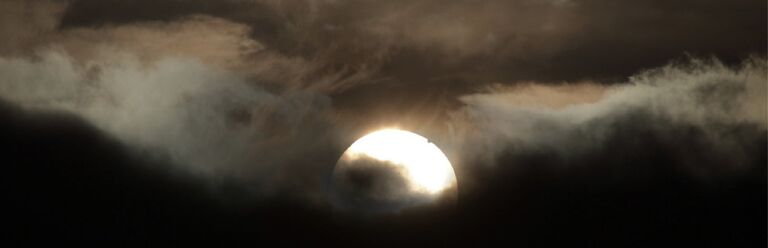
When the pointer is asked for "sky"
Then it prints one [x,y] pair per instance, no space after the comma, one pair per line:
[568,122]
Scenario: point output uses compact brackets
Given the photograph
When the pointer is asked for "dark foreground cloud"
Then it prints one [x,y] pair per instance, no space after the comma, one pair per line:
[67,181]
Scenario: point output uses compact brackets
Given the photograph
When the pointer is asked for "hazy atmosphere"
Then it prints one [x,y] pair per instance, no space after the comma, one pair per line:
[588,123]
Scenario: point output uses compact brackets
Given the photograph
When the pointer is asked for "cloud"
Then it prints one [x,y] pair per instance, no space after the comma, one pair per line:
[197,91]
[475,42]
[25,23]
[698,105]
[206,120]
[559,116]
[270,91]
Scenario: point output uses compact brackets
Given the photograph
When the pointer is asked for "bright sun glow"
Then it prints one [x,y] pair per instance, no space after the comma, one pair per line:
[426,165]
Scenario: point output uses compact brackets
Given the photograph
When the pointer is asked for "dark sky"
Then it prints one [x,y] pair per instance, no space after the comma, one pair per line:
[589,123]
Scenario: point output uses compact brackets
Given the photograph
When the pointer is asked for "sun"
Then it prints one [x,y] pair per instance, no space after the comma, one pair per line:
[427,168]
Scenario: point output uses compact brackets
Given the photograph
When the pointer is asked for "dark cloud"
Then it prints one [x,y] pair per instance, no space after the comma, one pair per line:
[366,184]
[88,190]
[512,40]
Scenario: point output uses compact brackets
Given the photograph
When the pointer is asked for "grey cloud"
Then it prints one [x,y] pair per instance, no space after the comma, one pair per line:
[197,90]
[668,103]
[207,120]
[38,25]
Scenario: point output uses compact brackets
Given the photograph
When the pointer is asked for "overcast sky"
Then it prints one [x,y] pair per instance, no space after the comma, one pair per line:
[641,121]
